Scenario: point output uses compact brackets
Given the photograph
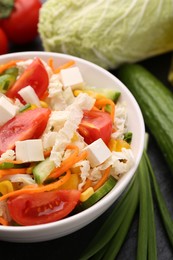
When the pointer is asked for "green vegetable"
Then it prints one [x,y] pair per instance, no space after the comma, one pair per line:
[8,78]
[42,170]
[170,74]
[6,165]
[107,33]
[96,92]
[165,214]
[12,71]
[110,237]
[11,165]
[25,107]
[128,137]
[147,248]
[100,193]
[118,218]
[156,103]
[6,81]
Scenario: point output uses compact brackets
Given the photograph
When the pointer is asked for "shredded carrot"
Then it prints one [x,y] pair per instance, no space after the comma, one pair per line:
[67,163]
[45,95]
[11,171]
[51,64]
[63,168]
[103,179]
[36,189]
[64,66]
[95,108]
[102,102]
[8,65]
[47,153]
[87,185]
[3,221]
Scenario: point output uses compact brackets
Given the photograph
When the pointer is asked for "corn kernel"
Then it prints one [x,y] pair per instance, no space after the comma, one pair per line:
[43,104]
[117,145]
[5,187]
[86,194]
[74,138]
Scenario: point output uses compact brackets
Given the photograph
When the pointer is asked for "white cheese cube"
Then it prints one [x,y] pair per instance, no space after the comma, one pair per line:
[29,96]
[7,110]
[71,77]
[29,150]
[98,152]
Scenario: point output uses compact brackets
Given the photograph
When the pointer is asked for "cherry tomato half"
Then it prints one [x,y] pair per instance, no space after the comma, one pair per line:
[35,75]
[26,125]
[3,42]
[44,207]
[21,25]
[95,125]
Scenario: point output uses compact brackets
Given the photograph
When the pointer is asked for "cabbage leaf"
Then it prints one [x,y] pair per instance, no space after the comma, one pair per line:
[107,32]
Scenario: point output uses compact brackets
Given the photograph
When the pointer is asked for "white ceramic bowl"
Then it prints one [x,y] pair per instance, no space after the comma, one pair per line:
[95,76]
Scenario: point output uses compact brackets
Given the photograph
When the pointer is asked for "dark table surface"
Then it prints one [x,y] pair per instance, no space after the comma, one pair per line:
[70,247]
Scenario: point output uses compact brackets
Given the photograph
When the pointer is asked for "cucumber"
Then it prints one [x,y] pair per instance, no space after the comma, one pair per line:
[156,103]
[112,94]
[108,93]
[100,193]
[42,170]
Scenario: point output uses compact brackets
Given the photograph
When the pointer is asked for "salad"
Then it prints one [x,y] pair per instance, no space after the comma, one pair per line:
[63,143]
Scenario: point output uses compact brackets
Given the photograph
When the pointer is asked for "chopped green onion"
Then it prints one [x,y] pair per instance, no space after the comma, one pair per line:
[147,248]
[109,239]
[128,137]
[110,226]
[143,213]
[119,237]
[25,107]
[6,165]
[165,214]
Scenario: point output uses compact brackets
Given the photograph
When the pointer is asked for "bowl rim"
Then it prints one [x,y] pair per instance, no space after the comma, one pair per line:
[110,198]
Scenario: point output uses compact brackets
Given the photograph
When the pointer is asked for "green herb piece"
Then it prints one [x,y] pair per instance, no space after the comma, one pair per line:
[12,71]
[128,137]
[143,214]
[6,7]
[110,226]
[6,165]
[170,74]
[25,107]
[165,214]
[119,237]
[6,82]
[147,248]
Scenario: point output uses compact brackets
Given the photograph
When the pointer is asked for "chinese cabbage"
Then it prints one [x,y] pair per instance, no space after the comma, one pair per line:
[107,32]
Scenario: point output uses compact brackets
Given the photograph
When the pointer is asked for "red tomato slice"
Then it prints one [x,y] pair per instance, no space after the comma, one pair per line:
[26,125]
[95,125]
[21,26]
[44,207]
[35,75]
